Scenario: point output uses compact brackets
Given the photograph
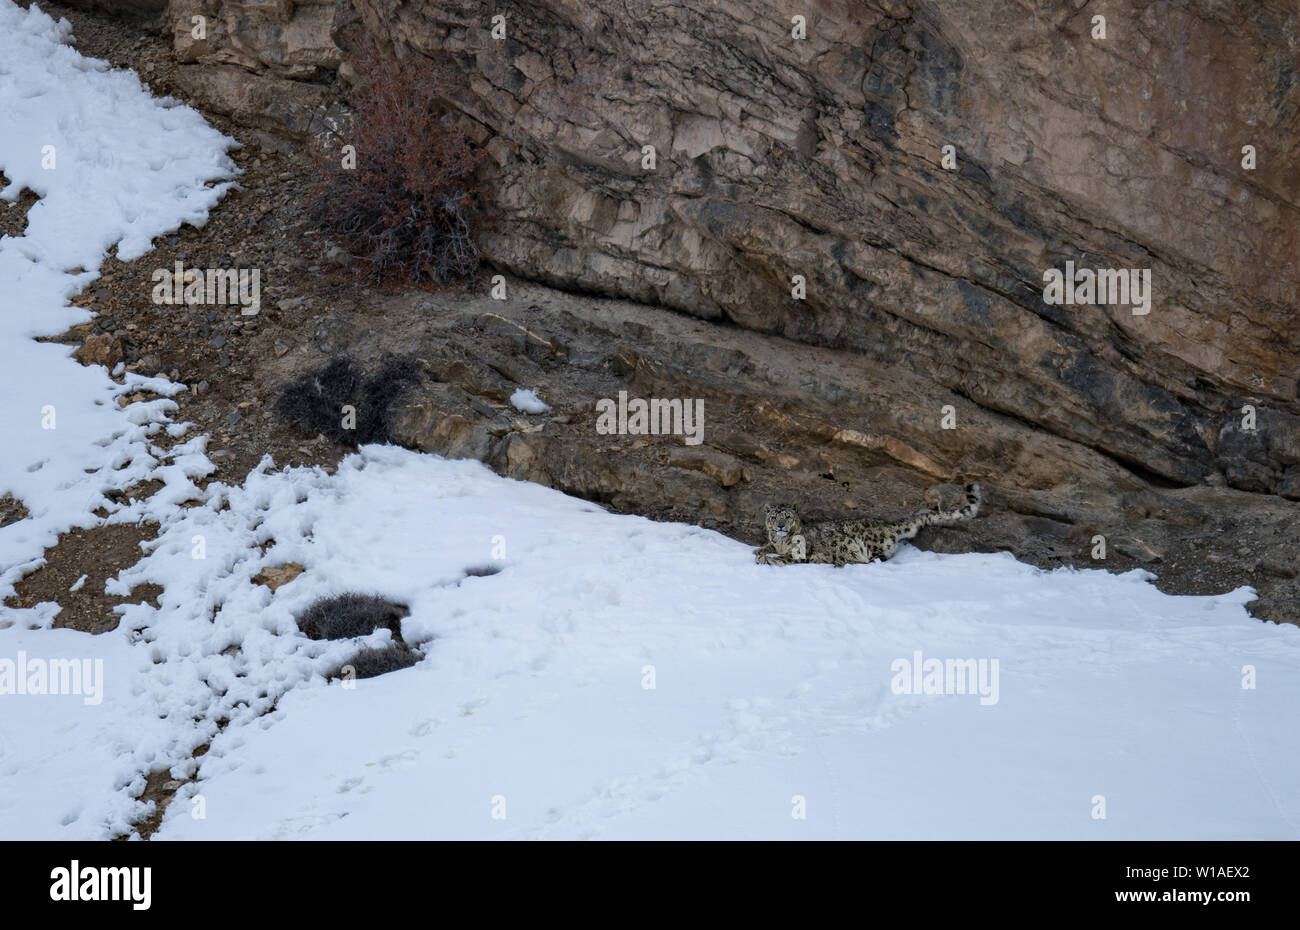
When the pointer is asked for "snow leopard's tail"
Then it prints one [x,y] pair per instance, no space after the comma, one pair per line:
[974,497]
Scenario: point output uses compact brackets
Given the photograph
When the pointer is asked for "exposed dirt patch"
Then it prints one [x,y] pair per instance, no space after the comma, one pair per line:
[99,554]
[137,492]
[160,788]
[13,214]
[11,510]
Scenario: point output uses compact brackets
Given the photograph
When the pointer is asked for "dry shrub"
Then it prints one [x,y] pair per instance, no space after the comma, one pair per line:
[314,401]
[350,615]
[409,211]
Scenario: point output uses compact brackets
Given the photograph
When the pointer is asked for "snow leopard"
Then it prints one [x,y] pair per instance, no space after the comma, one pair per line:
[840,542]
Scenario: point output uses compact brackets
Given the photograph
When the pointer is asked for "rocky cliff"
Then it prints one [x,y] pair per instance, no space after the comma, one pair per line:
[822,157]
[859,202]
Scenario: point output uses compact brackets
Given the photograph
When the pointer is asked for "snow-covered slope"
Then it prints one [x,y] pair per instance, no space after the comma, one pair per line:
[768,683]
[113,167]
[583,675]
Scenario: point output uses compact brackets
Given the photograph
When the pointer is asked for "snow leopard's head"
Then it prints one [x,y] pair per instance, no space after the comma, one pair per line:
[782,522]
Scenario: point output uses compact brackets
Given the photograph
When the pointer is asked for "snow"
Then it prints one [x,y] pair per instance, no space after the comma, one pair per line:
[583,674]
[527,401]
[769,682]
[126,168]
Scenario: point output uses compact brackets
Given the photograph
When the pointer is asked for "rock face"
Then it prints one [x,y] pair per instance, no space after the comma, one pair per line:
[269,64]
[823,157]
[781,421]
[800,192]
[283,37]
[264,62]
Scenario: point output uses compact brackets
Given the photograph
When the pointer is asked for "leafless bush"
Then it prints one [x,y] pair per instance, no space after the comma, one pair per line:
[409,211]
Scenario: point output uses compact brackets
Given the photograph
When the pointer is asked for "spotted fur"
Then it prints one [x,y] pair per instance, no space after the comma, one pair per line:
[840,542]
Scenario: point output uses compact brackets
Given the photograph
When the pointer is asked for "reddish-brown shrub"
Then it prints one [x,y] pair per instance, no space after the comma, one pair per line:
[409,211]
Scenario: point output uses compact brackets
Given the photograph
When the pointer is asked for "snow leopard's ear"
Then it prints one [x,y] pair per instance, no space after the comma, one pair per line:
[770,509]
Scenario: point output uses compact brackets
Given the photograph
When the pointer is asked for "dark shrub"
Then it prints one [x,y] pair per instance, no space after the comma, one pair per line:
[350,615]
[409,211]
[369,663]
[315,401]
